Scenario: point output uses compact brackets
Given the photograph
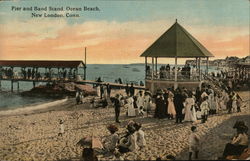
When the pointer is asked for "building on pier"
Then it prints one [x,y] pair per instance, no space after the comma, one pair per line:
[41,70]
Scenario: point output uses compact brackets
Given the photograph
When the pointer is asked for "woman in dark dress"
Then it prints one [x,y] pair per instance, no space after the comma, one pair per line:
[160,105]
[178,103]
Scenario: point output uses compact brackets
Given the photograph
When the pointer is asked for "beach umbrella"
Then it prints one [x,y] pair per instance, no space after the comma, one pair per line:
[90,141]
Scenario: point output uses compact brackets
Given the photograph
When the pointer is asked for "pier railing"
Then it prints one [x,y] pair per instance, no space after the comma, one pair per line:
[171,76]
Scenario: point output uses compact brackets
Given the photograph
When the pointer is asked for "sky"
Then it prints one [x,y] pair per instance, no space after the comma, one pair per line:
[121,30]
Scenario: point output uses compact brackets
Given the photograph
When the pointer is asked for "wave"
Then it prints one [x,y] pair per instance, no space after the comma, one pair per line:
[32,108]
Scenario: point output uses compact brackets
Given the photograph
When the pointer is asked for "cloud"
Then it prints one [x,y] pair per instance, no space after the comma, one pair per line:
[106,42]
[42,28]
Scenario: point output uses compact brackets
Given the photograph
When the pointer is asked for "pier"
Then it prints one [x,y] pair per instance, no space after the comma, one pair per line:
[35,71]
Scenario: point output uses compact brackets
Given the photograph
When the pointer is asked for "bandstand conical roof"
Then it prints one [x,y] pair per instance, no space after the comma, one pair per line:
[176,42]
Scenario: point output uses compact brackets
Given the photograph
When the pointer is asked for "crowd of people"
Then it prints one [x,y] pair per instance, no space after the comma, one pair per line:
[187,105]
[166,72]
[180,104]
[116,143]
[230,82]
[34,73]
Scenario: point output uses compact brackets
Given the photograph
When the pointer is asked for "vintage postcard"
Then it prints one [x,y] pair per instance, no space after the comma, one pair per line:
[124,80]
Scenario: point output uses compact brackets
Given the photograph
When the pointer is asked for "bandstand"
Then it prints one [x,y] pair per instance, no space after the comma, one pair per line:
[175,43]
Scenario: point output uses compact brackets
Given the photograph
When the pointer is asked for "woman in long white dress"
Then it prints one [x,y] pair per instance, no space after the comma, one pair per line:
[147,101]
[234,104]
[225,98]
[212,103]
[171,107]
[131,109]
[140,103]
[190,114]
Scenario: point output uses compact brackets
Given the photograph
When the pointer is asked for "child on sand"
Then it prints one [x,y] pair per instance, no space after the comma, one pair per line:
[111,141]
[61,128]
[140,136]
[194,143]
[204,109]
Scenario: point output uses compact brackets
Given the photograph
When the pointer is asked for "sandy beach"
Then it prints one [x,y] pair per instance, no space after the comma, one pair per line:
[32,135]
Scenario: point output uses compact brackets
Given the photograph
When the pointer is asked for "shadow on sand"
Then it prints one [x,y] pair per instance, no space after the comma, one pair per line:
[214,141]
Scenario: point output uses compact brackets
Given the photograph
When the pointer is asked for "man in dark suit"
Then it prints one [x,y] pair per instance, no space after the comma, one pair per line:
[117,106]
[101,90]
[108,90]
[165,95]
[178,103]
[127,89]
[132,90]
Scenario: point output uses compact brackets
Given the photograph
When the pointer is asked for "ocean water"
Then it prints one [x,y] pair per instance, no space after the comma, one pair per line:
[108,72]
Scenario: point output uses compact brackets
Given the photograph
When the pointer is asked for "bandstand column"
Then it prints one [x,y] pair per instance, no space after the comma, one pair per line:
[175,74]
[76,72]
[146,64]
[196,62]
[156,65]
[196,68]
[199,64]
[245,72]
[58,75]
[152,76]
[207,66]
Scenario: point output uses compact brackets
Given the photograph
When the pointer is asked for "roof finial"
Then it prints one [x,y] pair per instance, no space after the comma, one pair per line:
[175,20]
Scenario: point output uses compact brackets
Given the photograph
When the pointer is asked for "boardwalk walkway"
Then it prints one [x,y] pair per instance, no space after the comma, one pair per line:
[92,82]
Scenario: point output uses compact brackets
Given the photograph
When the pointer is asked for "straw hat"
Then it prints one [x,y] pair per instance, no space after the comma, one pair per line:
[137,125]
[159,91]
[148,93]
[170,94]
[112,128]
[60,121]
[165,89]
[131,123]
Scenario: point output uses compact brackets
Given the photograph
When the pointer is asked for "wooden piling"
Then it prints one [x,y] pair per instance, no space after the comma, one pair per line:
[11,85]
[18,86]
[85,66]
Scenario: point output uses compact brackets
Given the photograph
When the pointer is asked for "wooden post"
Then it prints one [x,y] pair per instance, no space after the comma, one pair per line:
[152,68]
[34,84]
[12,69]
[58,75]
[85,66]
[11,85]
[18,86]
[175,74]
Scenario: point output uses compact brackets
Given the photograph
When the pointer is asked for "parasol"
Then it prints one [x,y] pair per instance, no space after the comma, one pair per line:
[90,141]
